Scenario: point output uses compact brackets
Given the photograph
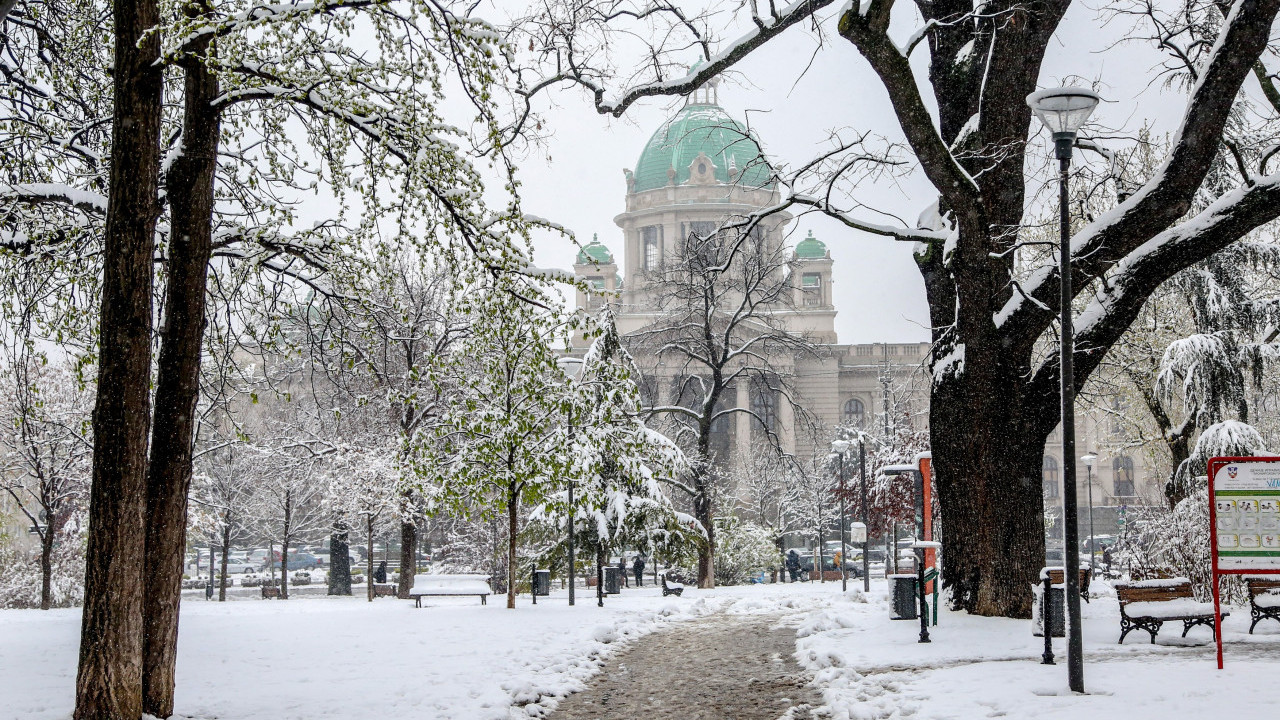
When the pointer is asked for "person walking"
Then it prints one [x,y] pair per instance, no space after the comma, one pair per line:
[622,571]
[380,575]
[638,568]
[793,565]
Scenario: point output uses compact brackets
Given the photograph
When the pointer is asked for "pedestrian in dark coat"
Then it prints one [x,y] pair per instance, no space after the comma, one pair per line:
[638,568]
[793,565]
[622,571]
[380,575]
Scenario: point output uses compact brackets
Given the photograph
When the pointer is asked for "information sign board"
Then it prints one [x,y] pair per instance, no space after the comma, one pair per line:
[1244,520]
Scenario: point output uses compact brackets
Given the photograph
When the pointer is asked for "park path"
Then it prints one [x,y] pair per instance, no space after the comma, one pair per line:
[721,667]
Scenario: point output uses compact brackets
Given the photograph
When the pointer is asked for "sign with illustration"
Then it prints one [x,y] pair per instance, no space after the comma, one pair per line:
[1246,510]
[1244,522]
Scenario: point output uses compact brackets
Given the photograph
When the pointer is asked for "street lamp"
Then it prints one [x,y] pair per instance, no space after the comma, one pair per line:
[840,447]
[572,366]
[1088,459]
[866,522]
[1063,111]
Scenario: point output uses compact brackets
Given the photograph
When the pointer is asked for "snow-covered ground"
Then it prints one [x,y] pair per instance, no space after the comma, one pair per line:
[870,666]
[316,657]
[319,657]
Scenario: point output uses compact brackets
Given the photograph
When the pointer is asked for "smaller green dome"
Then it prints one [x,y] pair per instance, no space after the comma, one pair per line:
[595,252]
[811,248]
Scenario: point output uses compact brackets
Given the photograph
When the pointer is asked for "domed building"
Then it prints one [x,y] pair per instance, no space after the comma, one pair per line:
[703,167]
[700,169]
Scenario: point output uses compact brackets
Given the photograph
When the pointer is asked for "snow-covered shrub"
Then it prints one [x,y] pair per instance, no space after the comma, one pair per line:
[743,550]
[1175,543]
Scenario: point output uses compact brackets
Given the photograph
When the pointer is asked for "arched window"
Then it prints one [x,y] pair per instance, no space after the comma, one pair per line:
[854,412]
[1122,476]
[1050,471]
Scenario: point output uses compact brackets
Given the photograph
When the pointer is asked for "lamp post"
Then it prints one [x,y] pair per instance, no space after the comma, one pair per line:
[1063,111]
[571,366]
[840,447]
[1089,459]
[866,522]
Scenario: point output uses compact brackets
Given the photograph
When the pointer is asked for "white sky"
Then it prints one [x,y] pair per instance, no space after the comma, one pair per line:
[577,179]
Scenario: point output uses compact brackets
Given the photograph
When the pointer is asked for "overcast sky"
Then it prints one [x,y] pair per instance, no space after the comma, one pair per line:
[578,180]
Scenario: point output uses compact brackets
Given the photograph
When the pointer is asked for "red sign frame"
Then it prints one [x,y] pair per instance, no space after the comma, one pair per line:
[1216,464]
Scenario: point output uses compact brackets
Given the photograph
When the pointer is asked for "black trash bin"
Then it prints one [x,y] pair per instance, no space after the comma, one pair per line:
[612,581]
[905,597]
[1057,609]
[542,582]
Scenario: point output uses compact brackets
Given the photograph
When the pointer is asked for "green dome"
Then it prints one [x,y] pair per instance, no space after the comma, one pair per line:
[595,252]
[701,128]
[811,248]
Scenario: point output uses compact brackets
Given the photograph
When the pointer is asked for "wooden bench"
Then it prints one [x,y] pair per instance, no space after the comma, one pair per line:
[270,592]
[450,586]
[1264,599]
[1058,576]
[384,590]
[1149,604]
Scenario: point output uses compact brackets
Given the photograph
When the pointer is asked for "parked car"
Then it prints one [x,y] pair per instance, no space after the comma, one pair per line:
[237,566]
[298,561]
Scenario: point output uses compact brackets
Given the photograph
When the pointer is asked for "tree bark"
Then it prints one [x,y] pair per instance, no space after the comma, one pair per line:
[109,674]
[46,566]
[704,512]
[222,576]
[987,435]
[339,562]
[513,519]
[408,557]
[189,187]
[284,569]
[368,528]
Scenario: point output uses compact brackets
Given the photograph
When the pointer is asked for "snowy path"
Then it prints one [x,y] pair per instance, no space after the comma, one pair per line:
[725,666]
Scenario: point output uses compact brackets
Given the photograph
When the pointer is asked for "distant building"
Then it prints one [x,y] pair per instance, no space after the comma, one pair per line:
[703,166]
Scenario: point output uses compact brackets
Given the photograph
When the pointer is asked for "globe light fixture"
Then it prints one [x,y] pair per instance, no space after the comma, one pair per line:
[1063,111]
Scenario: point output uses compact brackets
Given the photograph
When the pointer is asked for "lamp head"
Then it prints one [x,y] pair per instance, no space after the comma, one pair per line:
[1063,111]
[840,446]
[1089,458]
[571,366]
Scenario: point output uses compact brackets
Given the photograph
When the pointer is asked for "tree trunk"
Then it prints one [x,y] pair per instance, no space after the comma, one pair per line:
[222,576]
[109,674]
[408,557]
[368,526]
[284,568]
[339,562]
[703,511]
[513,519]
[189,187]
[1179,452]
[988,453]
[46,565]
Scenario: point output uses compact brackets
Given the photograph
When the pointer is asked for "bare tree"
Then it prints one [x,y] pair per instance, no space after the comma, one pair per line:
[44,450]
[722,305]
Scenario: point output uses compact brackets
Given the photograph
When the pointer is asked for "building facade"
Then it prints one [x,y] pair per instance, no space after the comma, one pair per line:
[698,171]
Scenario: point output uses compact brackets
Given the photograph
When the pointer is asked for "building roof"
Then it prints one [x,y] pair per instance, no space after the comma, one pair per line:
[595,252]
[701,128]
[811,248]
